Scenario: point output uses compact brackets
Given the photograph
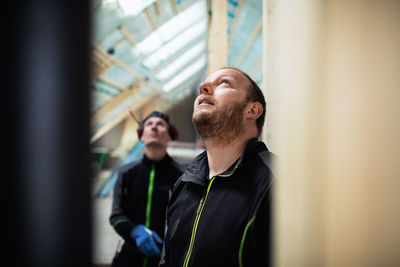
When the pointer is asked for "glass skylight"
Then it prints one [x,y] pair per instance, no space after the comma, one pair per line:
[186,74]
[181,61]
[134,7]
[174,31]
[174,45]
[194,13]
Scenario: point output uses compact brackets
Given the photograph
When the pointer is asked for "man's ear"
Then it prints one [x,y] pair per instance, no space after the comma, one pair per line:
[254,110]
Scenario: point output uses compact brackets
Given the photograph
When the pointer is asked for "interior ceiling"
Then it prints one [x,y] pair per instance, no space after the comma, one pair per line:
[156,52]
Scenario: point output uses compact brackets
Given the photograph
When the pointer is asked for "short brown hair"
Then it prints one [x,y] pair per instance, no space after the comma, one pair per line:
[256,95]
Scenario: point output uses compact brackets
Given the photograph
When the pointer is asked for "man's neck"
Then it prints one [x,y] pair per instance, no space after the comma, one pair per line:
[220,158]
[155,153]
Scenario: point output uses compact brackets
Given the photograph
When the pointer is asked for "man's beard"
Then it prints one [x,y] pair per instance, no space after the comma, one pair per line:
[222,126]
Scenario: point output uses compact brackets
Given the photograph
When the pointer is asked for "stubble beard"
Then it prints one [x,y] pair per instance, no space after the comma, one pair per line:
[223,126]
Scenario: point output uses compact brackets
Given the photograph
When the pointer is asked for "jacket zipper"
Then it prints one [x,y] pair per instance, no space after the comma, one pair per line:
[198,214]
[196,222]
[149,200]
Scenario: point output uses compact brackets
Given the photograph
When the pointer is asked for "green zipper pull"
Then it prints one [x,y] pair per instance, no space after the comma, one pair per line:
[200,204]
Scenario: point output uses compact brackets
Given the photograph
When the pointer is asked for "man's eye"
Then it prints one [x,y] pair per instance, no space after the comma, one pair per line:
[225,81]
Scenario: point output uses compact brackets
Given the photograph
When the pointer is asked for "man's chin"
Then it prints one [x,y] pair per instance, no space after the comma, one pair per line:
[153,143]
[201,115]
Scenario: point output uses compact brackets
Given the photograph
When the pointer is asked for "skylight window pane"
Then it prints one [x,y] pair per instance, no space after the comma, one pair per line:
[187,17]
[151,61]
[150,44]
[134,7]
[172,47]
[168,50]
[184,75]
[181,61]
[161,43]
[187,36]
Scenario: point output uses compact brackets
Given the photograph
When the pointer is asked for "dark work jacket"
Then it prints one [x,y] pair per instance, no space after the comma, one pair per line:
[130,197]
[225,220]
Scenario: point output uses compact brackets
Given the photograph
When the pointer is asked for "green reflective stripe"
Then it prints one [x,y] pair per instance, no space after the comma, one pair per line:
[119,221]
[150,195]
[229,174]
[149,199]
[242,242]
[196,222]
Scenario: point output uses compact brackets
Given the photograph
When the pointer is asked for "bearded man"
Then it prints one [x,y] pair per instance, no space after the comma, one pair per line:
[220,210]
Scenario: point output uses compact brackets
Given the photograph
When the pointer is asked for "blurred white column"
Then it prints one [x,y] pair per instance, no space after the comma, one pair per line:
[332,77]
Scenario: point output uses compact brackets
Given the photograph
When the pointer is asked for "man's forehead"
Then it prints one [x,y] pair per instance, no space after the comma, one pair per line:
[155,119]
[231,73]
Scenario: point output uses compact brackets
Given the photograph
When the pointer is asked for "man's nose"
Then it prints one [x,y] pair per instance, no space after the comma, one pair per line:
[206,90]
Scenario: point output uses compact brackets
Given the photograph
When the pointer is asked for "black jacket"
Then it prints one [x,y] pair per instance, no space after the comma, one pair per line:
[224,221]
[130,197]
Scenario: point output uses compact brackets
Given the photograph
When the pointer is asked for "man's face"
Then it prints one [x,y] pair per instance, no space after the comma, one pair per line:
[219,109]
[155,132]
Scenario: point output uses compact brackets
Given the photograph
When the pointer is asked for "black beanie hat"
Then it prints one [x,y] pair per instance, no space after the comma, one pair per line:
[157,114]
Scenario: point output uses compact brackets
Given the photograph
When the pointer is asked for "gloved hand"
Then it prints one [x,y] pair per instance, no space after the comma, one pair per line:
[145,238]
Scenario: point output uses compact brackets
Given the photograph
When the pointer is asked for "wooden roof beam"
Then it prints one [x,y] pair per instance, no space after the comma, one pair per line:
[157,7]
[112,83]
[218,36]
[150,18]
[121,116]
[112,104]
[174,7]
[117,62]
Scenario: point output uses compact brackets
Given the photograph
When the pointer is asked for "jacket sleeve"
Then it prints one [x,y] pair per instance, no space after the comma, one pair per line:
[118,218]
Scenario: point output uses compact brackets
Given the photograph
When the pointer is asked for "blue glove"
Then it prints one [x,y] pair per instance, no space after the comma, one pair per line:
[145,240]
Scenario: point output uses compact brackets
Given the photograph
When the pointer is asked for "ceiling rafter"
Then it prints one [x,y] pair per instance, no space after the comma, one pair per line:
[249,43]
[121,116]
[118,62]
[125,67]
[150,18]
[157,7]
[101,64]
[112,83]
[129,130]
[111,104]
[128,36]
[131,40]
[101,96]
[174,7]
[218,36]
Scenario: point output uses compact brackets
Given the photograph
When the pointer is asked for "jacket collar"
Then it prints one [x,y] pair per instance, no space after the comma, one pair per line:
[165,161]
[198,170]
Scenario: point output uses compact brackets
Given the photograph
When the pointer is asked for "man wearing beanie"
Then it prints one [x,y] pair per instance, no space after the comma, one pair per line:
[141,195]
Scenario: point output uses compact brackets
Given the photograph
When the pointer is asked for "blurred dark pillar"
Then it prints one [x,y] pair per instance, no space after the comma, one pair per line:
[47,189]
